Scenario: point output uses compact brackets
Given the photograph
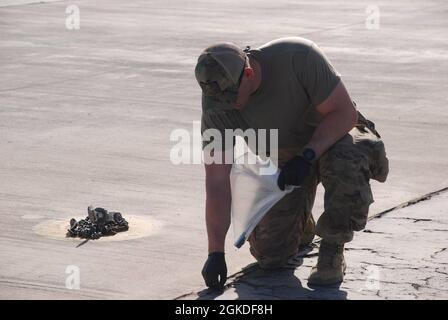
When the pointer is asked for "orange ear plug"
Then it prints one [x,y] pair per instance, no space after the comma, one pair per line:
[248,72]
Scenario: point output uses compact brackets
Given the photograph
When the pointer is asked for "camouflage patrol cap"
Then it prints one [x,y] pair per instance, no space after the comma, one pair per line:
[219,69]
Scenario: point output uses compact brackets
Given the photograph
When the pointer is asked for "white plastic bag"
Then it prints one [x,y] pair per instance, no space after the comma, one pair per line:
[254,192]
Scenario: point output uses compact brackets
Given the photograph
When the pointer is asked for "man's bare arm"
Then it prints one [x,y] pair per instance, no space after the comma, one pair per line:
[340,116]
[217,205]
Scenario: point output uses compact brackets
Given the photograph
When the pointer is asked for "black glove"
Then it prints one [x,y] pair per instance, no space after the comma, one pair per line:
[293,172]
[215,271]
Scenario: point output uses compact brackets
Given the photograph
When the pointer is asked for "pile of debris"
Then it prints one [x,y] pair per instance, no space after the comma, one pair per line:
[98,223]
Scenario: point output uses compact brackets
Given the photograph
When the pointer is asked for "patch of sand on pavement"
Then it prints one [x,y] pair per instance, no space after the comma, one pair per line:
[139,227]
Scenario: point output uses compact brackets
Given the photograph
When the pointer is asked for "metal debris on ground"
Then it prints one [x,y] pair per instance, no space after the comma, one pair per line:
[98,223]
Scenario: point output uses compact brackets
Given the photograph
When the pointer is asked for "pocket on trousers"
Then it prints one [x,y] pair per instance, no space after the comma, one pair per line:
[360,209]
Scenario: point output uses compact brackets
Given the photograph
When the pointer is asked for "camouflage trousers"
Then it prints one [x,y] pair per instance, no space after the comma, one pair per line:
[344,171]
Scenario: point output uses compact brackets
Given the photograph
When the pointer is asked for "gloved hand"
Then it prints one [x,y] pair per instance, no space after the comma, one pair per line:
[215,271]
[293,172]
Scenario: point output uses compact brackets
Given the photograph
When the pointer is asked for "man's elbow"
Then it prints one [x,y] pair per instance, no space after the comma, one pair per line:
[350,115]
[353,117]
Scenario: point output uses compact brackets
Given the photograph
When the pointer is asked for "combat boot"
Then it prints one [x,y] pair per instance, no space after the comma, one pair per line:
[330,267]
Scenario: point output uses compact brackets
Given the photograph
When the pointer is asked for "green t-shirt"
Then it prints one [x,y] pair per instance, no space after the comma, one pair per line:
[296,77]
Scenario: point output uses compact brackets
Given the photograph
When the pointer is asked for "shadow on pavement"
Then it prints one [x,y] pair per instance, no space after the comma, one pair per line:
[276,284]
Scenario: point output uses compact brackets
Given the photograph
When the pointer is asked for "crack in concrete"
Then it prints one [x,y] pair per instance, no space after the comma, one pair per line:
[362,249]
[375,232]
[441,272]
[433,256]
[379,254]
[416,286]
[434,262]
[396,258]
[409,203]
[414,219]
[394,267]
[427,280]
